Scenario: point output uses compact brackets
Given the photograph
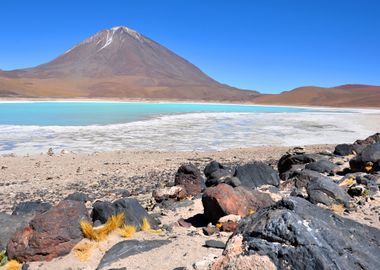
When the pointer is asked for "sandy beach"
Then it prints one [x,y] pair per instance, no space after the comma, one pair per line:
[106,175]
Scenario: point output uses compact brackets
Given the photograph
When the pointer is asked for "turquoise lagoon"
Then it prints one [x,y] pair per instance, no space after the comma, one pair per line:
[34,127]
[106,113]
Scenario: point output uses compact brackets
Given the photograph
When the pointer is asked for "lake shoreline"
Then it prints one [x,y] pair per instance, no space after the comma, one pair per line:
[179,101]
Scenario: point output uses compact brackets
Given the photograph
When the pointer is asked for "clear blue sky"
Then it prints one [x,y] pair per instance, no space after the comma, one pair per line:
[266,45]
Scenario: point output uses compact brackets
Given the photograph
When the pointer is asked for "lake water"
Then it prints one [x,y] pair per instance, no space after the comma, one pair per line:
[98,113]
[33,127]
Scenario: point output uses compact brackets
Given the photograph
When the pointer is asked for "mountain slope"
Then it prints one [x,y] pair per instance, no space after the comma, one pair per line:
[118,62]
[352,95]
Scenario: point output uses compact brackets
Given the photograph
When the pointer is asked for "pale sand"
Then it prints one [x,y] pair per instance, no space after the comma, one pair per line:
[105,175]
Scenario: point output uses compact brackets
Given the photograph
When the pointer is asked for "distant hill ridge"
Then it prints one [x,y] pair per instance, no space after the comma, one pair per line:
[350,95]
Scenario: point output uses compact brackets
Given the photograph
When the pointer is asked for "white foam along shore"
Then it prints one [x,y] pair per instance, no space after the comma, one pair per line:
[196,131]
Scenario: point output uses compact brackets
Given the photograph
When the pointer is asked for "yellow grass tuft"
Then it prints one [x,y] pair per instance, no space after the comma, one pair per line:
[368,167]
[13,265]
[146,225]
[348,182]
[101,233]
[337,208]
[158,231]
[127,231]
[113,223]
[83,251]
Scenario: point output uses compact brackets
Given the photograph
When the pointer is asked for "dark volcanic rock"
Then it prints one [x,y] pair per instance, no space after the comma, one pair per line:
[50,234]
[189,177]
[215,244]
[212,167]
[78,196]
[303,177]
[324,190]
[321,189]
[292,172]
[287,161]
[367,160]
[375,138]
[256,174]
[344,149]
[223,200]
[32,207]
[9,224]
[133,211]
[356,190]
[296,234]
[322,166]
[101,211]
[128,248]
[216,173]
[232,181]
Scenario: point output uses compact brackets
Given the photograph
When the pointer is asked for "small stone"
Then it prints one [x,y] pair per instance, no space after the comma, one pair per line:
[78,196]
[50,152]
[215,244]
[209,230]
[181,222]
[125,193]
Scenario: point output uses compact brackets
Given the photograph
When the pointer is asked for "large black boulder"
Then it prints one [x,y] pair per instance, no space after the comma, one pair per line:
[322,166]
[296,234]
[217,173]
[368,158]
[134,213]
[256,174]
[344,149]
[287,161]
[101,211]
[321,189]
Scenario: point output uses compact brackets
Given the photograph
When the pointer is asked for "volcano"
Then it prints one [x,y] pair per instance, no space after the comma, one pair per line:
[118,63]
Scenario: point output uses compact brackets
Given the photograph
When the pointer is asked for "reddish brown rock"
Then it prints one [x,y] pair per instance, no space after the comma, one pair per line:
[229,226]
[189,177]
[49,235]
[223,200]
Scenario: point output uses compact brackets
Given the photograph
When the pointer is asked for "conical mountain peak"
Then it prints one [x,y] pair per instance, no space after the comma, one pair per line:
[120,62]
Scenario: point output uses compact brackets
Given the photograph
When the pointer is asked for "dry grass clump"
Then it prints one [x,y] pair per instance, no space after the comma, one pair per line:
[83,251]
[368,168]
[337,208]
[145,225]
[127,231]
[99,234]
[13,265]
[348,182]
